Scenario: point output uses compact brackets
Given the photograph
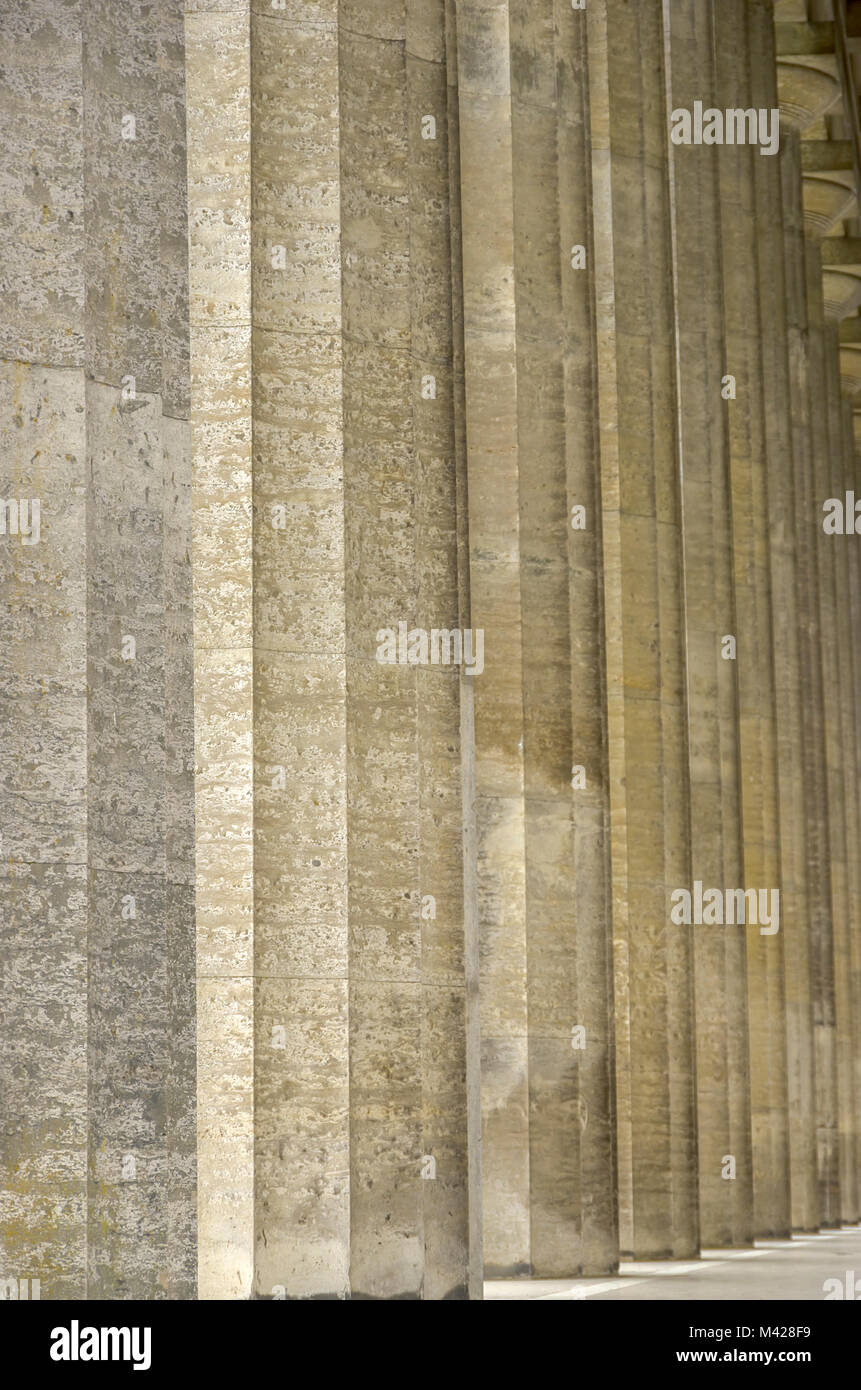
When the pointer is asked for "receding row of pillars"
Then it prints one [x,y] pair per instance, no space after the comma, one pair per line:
[619,479]
[471,346]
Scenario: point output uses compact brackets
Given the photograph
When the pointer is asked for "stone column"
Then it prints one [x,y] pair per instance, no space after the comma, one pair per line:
[591,884]
[848,572]
[97,815]
[408,950]
[448,917]
[475,1117]
[645,629]
[723,1086]
[491,421]
[780,441]
[218,95]
[745,298]
[823,658]
[139,818]
[572,1225]
[853,481]
[180,943]
[349,975]
[808,1064]
[844,807]
[43,661]
[302,1103]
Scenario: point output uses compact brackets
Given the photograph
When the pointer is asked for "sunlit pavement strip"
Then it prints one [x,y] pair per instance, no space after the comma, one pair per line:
[785,1269]
[732,1254]
[783,1244]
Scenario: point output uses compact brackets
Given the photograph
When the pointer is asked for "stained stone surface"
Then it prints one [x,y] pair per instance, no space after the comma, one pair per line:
[843,482]
[330,977]
[723,1075]
[794,911]
[802,1000]
[839,770]
[854,567]
[824,960]
[645,654]
[99,1140]
[218,129]
[744,268]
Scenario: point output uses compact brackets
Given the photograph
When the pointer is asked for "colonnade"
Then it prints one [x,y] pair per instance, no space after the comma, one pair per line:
[432,588]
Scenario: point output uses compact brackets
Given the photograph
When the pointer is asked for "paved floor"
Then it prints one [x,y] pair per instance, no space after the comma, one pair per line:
[774,1269]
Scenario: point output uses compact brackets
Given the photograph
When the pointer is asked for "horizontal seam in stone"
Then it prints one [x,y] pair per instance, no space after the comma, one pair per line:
[49,366]
[372,38]
[290,23]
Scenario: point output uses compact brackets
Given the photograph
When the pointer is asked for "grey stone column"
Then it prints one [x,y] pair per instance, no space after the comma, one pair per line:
[98,814]
[572,1222]
[470,829]
[491,429]
[723,1085]
[218,96]
[140,949]
[449,944]
[808,1060]
[408,952]
[844,810]
[302,1117]
[746,295]
[780,442]
[826,928]
[43,663]
[336,1064]
[591,883]
[847,572]
[853,481]
[645,629]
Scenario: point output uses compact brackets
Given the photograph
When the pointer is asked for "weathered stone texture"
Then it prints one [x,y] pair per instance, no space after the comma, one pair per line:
[330,973]
[100,790]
